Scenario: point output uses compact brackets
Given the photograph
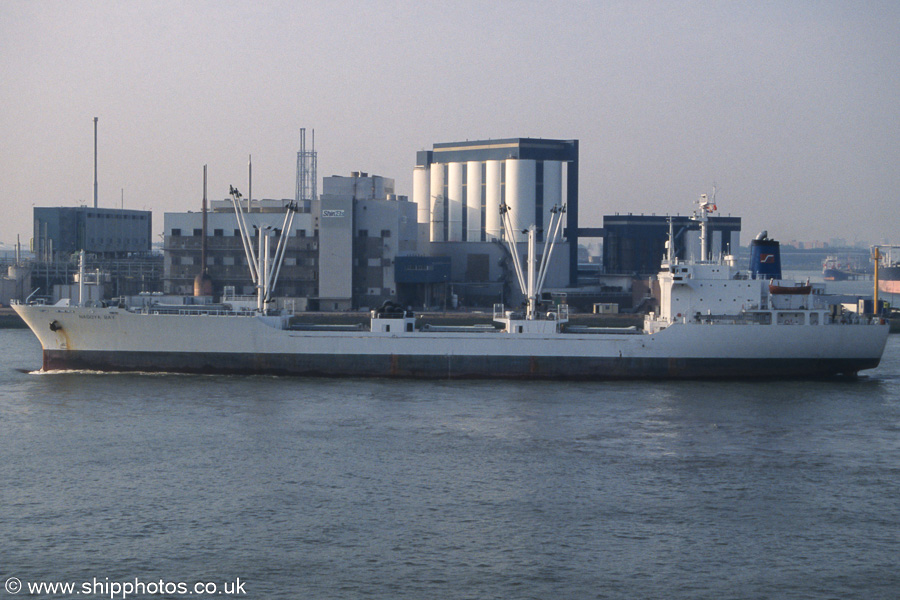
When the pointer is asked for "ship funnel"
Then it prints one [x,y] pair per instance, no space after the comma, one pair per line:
[765,258]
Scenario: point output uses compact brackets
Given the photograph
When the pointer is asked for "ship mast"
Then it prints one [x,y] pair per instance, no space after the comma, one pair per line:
[532,282]
[876,256]
[264,266]
[701,215]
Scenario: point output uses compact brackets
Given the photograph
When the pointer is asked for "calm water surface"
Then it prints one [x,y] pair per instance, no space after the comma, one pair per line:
[308,488]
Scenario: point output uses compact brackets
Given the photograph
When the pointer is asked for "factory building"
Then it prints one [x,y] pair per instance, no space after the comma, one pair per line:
[117,242]
[340,255]
[107,232]
[636,244]
[226,259]
[363,228]
[459,188]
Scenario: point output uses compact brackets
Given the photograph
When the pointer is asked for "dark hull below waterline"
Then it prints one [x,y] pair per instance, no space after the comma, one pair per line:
[455,367]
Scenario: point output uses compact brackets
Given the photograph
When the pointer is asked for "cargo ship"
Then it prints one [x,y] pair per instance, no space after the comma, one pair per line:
[713,321]
[835,269]
[889,270]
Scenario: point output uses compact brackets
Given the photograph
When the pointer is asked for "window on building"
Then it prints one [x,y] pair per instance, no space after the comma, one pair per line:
[198,232]
[363,233]
[477,267]
[301,233]
[385,233]
[175,233]
[218,232]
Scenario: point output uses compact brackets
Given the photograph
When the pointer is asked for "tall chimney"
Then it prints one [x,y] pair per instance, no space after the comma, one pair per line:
[203,233]
[95,162]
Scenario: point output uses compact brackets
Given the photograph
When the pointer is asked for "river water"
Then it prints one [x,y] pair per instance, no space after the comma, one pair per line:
[309,488]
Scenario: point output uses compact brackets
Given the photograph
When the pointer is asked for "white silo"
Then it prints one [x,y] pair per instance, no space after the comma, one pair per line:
[492,226]
[552,190]
[473,201]
[520,194]
[437,202]
[455,200]
[421,193]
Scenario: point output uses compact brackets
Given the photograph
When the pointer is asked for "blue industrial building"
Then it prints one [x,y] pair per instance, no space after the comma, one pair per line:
[636,244]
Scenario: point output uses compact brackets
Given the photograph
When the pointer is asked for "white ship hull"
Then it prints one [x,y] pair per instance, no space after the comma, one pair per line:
[119,340]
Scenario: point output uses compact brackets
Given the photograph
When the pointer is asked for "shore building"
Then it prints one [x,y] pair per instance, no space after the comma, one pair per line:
[636,244]
[226,259]
[340,256]
[459,188]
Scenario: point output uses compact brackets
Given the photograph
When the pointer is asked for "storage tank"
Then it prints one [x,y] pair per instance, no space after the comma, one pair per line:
[492,225]
[473,201]
[765,257]
[455,201]
[436,194]
[421,193]
[520,195]
[18,272]
[203,284]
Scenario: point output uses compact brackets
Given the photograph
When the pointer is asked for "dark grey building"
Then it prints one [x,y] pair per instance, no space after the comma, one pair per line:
[636,244]
[107,232]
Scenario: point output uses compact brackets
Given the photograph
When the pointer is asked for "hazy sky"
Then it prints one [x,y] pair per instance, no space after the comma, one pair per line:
[791,108]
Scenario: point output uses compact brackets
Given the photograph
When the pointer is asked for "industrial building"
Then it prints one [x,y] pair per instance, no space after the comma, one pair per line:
[340,254]
[117,242]
[636,244]
[363,228]
[358,244]
[459,188]
[226,261]
[108,232]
